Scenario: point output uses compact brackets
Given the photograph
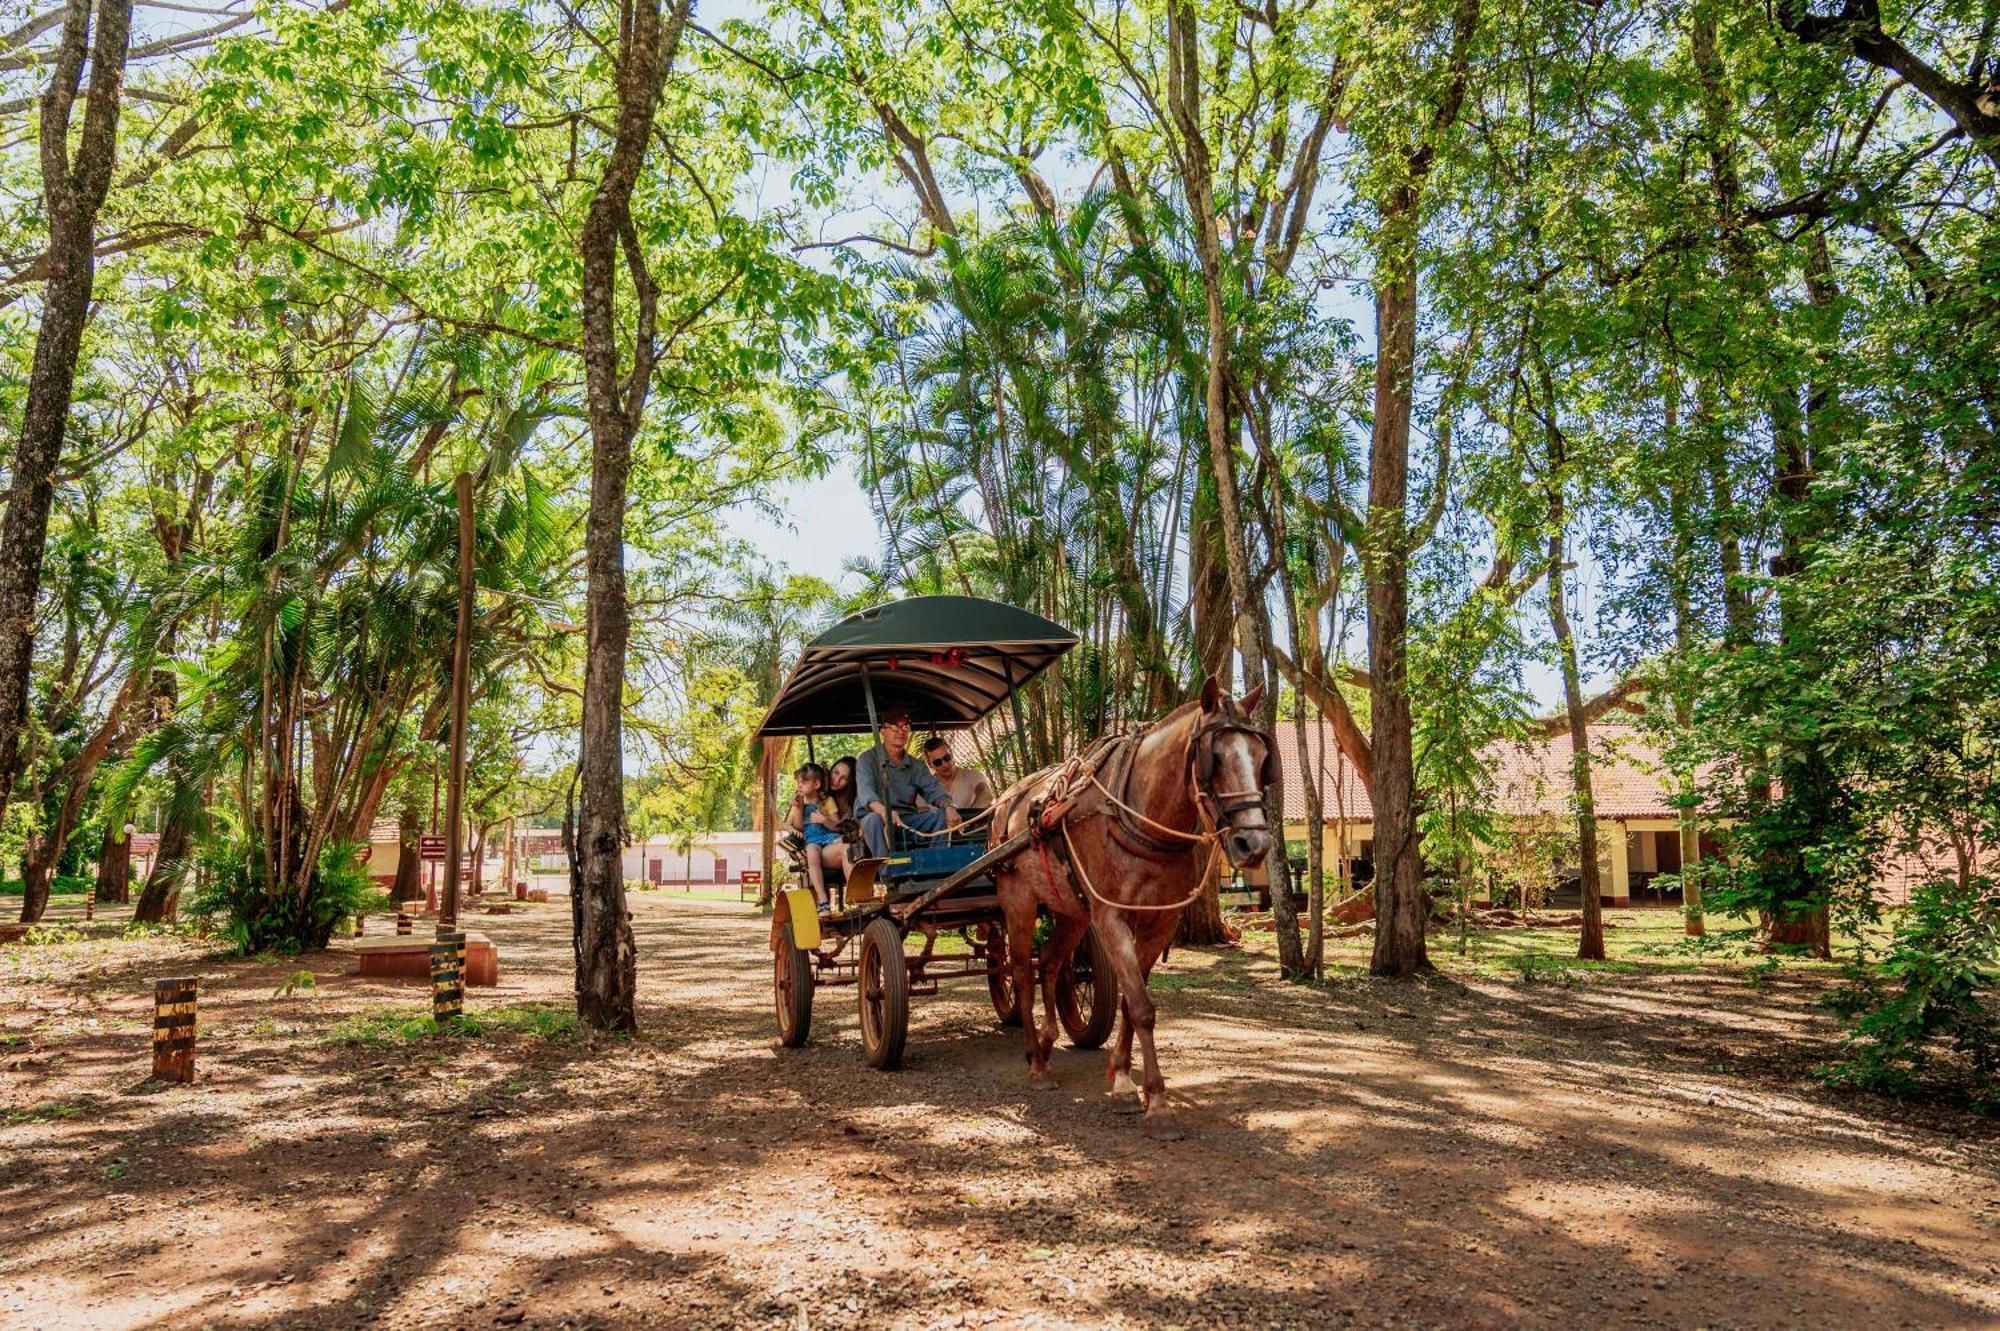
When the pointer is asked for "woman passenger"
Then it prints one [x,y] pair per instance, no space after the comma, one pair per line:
[841,786]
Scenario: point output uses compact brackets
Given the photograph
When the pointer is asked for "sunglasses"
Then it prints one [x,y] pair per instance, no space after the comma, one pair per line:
[942,760]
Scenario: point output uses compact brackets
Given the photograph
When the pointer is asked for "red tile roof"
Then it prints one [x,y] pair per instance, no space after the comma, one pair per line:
[1629,779]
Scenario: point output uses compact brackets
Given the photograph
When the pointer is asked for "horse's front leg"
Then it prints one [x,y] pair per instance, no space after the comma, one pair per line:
[1021,956]
[1119,942]
[1058,954]
[1118,1068]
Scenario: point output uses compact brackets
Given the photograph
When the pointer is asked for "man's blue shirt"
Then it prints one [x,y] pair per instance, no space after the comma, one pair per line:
[907,780]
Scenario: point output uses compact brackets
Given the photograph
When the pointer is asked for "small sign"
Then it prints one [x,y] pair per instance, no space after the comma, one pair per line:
[752,877]
[431,849]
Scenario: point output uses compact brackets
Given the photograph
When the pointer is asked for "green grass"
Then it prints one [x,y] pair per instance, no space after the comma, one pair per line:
[51,935]
[1165,982]
[46,1113]
[700,892]
[1635,942]
[64,885]
[382,1030]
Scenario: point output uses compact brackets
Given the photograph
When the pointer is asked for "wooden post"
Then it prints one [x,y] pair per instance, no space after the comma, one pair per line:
[90,904]
[507,872]
[403,921]
[448,976]
[173,1027]
[461,704]
[358,918]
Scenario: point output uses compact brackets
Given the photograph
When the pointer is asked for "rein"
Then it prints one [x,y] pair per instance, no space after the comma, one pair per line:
[1213,807]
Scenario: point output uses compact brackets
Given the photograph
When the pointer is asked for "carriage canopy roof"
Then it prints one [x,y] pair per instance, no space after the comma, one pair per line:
[946,660]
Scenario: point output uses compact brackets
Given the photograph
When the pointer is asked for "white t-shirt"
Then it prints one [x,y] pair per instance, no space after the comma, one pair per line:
[968,789]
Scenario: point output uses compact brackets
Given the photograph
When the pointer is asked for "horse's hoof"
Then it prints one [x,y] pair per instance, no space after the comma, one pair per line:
[1161,1125]
[1125,1104]
[1041,1081]
[1122,1084]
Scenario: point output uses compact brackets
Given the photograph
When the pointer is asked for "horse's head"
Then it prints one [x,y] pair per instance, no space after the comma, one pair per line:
[1233,761]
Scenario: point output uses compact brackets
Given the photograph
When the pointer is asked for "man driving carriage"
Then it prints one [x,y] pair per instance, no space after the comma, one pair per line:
[888,783]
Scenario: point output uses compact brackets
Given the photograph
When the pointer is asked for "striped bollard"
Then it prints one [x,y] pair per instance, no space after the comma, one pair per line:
[173,1027]
[402,922]
[448,976]
[90,904]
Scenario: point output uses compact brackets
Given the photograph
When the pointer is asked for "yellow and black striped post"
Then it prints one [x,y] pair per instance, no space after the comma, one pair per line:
[90,904]
[402,922]
[448,976]
[173,1027]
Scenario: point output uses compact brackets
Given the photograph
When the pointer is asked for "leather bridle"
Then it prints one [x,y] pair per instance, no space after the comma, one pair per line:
[1223,805]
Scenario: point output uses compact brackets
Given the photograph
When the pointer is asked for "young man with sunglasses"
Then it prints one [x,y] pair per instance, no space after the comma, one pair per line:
[967,786]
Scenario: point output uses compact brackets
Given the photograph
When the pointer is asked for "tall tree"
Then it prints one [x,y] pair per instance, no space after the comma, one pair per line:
[1405,151]
[74,183]
[615,394]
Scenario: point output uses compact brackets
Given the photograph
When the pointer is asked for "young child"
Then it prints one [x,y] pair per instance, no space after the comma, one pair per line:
[816,817]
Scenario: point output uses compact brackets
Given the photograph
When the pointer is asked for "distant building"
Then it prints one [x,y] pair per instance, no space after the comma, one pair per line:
[1638,826]
[714,857]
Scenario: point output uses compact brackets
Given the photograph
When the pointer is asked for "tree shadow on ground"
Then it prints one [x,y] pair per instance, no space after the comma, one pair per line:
[1444,1154]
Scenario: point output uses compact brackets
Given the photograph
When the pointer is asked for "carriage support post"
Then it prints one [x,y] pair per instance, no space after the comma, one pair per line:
[1020,724]
[875,754]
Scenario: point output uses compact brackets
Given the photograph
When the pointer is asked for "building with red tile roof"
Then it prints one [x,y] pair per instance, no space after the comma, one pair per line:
[1638,824]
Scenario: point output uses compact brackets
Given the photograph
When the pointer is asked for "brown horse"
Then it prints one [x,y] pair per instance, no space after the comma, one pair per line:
[1127,835]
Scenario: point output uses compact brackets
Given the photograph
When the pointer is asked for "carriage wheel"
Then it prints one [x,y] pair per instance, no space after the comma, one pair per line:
[1087,1001]
[792,985]
[885,996]
[1000,978]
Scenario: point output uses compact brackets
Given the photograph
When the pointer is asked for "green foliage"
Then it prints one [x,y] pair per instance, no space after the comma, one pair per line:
[51,935]
[382,1030]
[62,885]
[298,982]
[1938,986]
[238,899]
[50,1112]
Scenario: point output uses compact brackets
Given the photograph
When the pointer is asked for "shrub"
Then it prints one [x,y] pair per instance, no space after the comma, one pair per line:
[1938,983]
[257,918]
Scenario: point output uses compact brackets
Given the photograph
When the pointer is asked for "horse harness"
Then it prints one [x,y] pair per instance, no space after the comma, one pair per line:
[1106,766]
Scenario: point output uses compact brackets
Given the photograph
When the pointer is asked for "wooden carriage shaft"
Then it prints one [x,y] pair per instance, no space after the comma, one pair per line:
[1000,854]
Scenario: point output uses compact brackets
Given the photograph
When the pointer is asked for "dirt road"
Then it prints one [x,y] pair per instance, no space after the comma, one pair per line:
[1633,1150]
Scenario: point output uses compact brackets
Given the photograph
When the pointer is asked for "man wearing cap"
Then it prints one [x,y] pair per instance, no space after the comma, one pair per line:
[887,784]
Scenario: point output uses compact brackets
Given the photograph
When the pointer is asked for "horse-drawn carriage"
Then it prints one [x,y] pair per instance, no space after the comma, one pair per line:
[927,911]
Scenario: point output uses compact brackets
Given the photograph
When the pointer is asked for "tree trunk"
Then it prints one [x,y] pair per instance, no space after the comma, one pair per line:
[606,956]
[171,860]
[508,866]
[1184,76]
[1201,922]
[1680,521]
[409,882]
[1590,946]
[73,190]
[45,853]
[114,865]
[1208,584]
[1813,799]
[1401,909]
[36,867]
